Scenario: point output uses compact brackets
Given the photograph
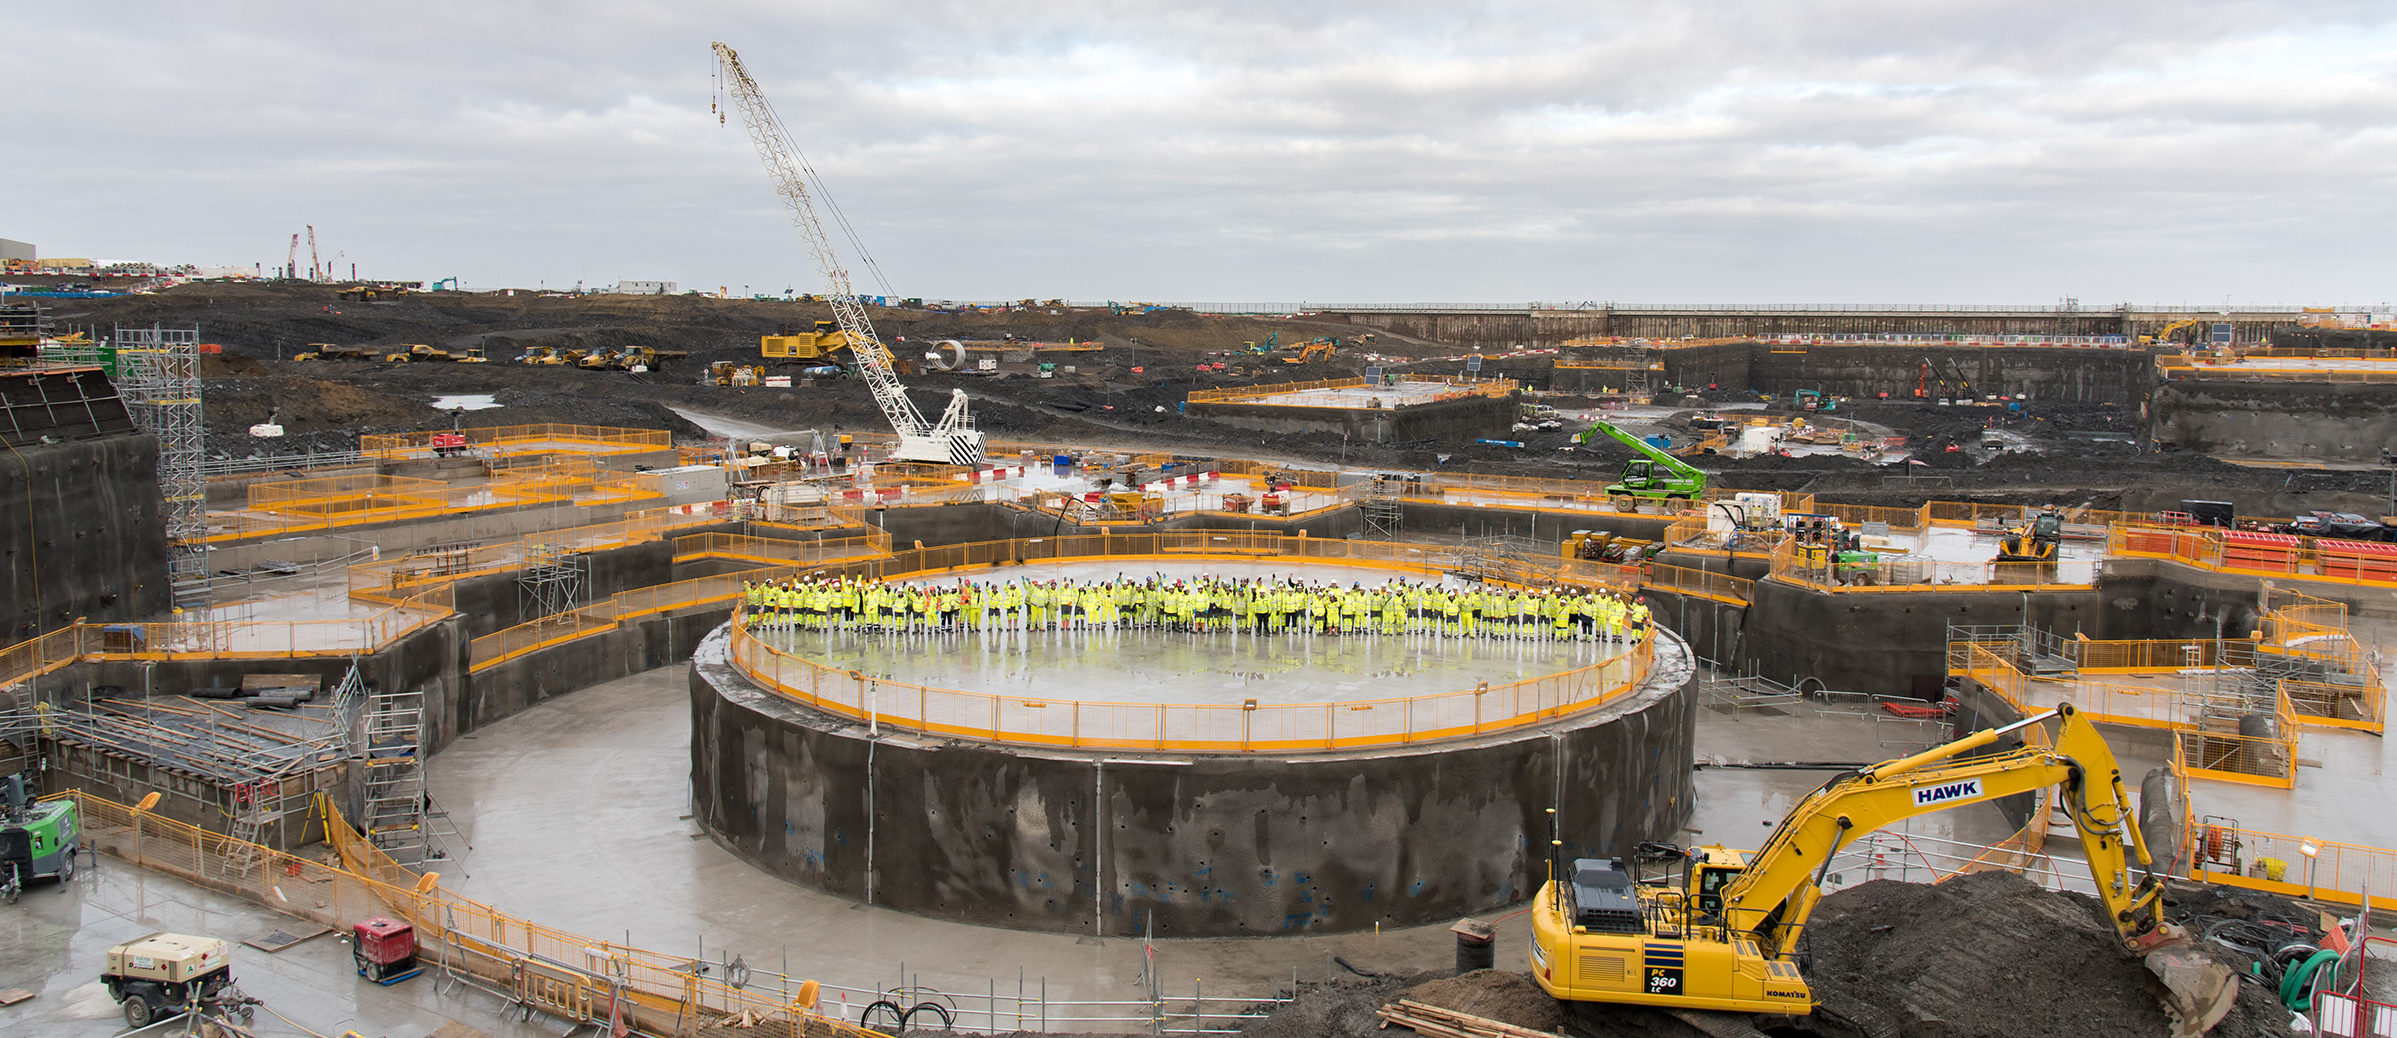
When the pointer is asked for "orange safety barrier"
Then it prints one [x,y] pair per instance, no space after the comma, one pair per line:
[580,979]
[2356,560]
[1187,727]
[2259,552]
[522,439]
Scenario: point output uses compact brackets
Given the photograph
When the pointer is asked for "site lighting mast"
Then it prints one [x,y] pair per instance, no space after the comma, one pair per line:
[953,440]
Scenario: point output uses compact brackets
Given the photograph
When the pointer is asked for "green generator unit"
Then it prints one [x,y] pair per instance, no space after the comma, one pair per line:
[37,839]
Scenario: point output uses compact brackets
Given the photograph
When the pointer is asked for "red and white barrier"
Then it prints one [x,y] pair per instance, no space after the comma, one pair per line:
[1175,482]
[993,475]
[872,495]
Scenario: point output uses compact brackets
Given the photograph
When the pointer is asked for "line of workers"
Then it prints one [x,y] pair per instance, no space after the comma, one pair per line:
[1205,605]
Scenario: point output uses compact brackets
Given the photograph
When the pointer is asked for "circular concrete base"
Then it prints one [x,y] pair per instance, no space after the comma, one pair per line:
[1195,845]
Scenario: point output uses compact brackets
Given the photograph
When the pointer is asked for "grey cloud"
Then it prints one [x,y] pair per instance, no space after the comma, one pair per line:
[1258,151]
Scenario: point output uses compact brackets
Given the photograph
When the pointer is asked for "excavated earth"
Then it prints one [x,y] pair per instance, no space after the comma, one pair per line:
[1103,401]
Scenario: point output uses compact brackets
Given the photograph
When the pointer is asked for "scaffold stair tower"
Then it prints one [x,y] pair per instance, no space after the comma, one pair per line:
[394,801]
[159,377]
[1379,504]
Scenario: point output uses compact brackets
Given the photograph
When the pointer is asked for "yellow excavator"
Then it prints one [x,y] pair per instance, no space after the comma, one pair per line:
[1723,934]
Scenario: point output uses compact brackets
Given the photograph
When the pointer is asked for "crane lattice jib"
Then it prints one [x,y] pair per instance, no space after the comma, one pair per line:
[790,181]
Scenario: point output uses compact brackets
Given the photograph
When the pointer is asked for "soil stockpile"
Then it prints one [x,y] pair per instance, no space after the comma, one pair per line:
[1505,997]
[1993,955]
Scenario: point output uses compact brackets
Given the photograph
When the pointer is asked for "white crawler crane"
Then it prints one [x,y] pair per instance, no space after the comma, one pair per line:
[953,440]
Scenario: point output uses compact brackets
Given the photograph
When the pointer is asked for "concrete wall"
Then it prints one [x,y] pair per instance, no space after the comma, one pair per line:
[1103,844]
[506,689]
[1466,419]
[2084,376]
[1887,641]
[2315,421]
[1501,330]
[81,533]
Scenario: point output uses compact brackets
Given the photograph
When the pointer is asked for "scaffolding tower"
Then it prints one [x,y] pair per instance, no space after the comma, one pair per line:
[394,799]
[159,377]
[551,582]
[1384,519]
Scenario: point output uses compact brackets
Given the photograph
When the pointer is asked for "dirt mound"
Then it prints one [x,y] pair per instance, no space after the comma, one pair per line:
[1498,995]
[1993,955]
[1333,1010]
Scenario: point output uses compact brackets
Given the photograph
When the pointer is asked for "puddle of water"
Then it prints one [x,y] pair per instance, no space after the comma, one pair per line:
[465,402]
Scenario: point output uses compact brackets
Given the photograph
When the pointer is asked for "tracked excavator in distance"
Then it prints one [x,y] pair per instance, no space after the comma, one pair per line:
[953,439]
[1723,934]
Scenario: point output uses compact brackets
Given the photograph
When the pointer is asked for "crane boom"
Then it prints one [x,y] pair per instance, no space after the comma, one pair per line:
[1640,478]
[953,439]
[316,267]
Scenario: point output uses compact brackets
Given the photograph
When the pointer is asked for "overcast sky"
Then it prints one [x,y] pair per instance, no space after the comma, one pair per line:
[2180,151]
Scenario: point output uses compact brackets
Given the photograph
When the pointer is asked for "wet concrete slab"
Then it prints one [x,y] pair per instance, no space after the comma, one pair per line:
[1144,666]
[57,936]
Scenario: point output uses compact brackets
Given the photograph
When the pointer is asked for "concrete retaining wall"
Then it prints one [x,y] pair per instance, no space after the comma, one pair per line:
[1103,844]
[81,533]
[509,688]
[1887,641]
[2313,421]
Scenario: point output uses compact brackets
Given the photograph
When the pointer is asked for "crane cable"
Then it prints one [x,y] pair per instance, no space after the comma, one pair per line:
[815,183]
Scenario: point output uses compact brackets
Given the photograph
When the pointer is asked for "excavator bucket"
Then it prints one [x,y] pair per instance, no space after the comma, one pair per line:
[2196,989]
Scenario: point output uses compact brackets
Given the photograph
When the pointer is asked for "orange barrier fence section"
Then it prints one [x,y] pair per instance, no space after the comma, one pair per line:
[2259,860]
[1721,587]
[2212,744]
[2261,554]
[599,617]
[521,439]
[768,550]
[385,579]
[224,639]
[583,980]
[1250,727]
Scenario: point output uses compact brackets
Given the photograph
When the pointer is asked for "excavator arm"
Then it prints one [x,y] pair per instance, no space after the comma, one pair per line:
[1772,898]
[1726,937]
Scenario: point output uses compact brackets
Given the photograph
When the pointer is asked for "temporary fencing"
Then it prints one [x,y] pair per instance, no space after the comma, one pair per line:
[2219,737]
[1250,727]
[224,639]
[578,979]
[522,439]
[359,499]
[601,617]
[2258,860]
[732,547]
[1721,587]
[386,579]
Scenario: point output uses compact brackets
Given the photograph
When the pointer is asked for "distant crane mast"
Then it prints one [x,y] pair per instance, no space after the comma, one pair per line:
[316,267]
[953,440]
[291,258]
